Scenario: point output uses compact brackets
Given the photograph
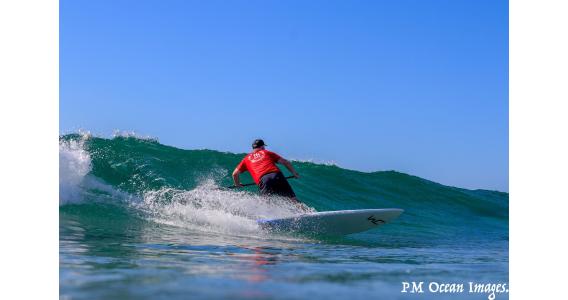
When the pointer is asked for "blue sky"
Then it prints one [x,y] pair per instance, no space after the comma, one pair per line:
[419,87]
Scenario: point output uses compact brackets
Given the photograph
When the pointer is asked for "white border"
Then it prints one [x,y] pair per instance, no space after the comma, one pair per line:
[29,92]
[538,143]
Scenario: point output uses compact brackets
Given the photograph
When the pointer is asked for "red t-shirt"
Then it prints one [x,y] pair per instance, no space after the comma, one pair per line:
[259,163]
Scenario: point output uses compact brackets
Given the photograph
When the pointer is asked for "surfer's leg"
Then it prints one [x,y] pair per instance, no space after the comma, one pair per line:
[276,184]
[283,188]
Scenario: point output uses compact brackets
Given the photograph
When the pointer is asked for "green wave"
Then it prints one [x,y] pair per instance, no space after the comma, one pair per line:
[135,166]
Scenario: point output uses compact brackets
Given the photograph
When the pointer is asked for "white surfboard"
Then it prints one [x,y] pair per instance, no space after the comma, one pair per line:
[340,222]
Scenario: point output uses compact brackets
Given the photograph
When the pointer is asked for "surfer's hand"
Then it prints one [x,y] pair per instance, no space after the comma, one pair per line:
[238,185]
[296,175]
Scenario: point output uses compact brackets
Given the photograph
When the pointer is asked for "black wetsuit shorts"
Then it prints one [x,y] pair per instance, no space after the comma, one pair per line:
[275,184]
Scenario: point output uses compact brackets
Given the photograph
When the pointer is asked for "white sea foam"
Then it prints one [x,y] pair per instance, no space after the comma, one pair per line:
[316,161]
[206,207]
[74,165]
[210,208]
[76,184]
[132,134]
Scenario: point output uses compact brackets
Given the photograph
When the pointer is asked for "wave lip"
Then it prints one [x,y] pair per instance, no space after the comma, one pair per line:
[74,165]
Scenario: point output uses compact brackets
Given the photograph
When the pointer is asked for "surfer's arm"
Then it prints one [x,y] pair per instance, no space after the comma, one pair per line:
[289,166]
[236,178]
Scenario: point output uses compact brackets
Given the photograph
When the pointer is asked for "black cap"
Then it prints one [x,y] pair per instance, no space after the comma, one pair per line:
[258,143]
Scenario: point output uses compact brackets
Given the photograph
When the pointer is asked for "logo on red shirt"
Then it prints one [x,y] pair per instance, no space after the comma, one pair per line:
[256,156]
[259,163]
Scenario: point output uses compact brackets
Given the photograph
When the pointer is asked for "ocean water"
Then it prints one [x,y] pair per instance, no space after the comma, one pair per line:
[142,220]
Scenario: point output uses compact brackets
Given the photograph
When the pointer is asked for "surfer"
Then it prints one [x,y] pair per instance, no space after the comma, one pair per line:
[261,164]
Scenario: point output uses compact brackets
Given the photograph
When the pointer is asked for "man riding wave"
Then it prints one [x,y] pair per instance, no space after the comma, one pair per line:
[261,164]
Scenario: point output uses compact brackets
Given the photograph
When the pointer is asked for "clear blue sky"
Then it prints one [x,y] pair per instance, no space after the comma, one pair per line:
[415,86]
